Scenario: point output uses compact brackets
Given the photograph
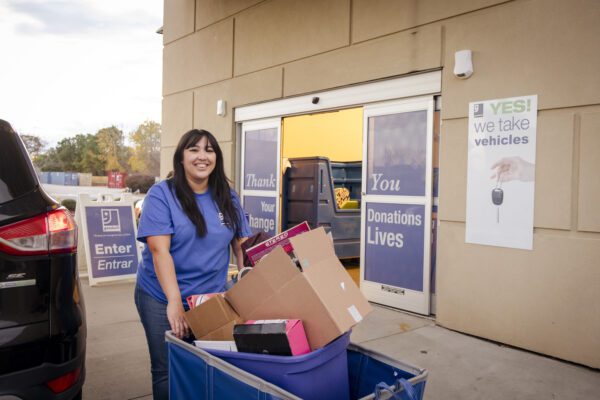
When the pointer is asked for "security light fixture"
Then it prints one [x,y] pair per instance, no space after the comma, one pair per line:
[221,108]
[463,64]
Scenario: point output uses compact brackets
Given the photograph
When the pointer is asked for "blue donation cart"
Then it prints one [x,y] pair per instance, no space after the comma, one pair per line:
[196,374]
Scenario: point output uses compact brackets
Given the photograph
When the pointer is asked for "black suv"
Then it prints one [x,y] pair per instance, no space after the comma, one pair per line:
[42,313]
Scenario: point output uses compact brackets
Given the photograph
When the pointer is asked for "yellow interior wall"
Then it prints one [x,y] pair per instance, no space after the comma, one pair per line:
[337,135]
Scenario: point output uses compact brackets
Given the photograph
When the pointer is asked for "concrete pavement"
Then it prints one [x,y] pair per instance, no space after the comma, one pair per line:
[460,366]
[117,360]
[464,367]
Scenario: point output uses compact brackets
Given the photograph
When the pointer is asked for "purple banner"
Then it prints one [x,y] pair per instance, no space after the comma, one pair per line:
[260,160]
[394,245]
[111,237]
[262,214]
[397,154]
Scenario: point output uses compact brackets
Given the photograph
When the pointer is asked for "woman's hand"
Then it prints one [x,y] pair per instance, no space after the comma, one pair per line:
[175,315]
[165,272]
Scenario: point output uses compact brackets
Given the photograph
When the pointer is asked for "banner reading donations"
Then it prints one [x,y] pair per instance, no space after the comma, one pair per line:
[395,232]
[501,172]
[109,234]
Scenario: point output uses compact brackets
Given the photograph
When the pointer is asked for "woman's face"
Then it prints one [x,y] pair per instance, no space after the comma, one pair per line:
[199,161]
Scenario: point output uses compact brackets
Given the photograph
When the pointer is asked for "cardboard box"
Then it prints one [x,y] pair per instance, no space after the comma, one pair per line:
[323,296]
[213,320]
[255,253]
[282,337]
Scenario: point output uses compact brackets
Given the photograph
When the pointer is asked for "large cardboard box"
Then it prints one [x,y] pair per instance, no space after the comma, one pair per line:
[323,295]
[213,319]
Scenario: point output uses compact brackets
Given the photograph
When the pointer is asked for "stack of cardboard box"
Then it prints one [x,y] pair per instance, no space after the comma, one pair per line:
[322,294]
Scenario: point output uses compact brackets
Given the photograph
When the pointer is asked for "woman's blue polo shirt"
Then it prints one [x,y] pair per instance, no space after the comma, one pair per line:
[201,263]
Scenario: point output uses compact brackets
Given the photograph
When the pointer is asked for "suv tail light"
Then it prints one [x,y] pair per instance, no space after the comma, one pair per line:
[64,382]
[52,232]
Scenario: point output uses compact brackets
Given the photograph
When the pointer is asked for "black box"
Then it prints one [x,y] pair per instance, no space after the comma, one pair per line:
[276,337]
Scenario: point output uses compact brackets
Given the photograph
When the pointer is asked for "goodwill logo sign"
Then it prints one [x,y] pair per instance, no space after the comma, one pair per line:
[111,236]
[501,172]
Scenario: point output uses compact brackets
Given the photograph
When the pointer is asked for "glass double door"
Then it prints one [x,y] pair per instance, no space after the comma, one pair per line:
[396,196]
[397,203]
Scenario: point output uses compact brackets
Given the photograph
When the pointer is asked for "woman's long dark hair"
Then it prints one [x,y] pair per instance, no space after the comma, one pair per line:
[218,184]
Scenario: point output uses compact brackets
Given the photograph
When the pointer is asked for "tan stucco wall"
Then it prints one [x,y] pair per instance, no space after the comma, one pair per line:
[250,51]
[545,300]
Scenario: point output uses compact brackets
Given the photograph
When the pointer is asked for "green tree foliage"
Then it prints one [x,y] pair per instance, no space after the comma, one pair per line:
[145,156]
[49,161]
[112,148]
[78,154]
[101,152]
[34,145]
[89,155]
[67,154]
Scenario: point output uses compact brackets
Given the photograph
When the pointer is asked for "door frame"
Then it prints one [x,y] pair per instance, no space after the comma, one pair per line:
[379,292]
[408,86]
[358,95]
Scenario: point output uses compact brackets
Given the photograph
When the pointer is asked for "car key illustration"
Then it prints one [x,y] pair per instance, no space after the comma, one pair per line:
[498,197]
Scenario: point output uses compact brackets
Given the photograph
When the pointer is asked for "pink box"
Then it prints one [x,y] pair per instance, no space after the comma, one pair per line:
[257,252]
[197,299]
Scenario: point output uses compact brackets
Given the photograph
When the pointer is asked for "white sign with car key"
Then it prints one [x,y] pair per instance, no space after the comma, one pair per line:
[501,172]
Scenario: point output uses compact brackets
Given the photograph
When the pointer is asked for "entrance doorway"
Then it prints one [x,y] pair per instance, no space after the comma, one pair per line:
[366,169]
[327,147]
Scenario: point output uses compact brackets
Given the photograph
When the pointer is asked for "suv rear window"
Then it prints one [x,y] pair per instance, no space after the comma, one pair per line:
[16,175]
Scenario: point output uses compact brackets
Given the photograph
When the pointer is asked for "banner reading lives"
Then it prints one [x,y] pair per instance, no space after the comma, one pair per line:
[501,172]
[394,232]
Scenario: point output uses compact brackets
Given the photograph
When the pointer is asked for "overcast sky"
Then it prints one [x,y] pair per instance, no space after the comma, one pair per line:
[75,66]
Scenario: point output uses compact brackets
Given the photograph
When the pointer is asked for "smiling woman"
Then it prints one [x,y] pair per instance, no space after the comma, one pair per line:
[198,163]
[188,223]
